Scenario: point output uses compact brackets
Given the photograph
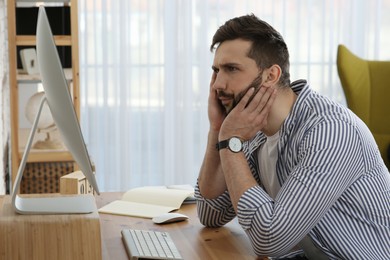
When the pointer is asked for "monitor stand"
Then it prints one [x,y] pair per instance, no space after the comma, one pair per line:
[70,204]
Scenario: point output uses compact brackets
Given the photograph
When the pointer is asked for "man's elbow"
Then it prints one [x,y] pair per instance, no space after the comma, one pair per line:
[209,222]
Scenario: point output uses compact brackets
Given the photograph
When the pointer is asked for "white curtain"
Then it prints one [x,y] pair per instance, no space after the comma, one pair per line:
[146,66]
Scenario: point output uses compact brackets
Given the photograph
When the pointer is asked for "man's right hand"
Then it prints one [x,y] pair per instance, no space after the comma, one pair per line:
[216,111]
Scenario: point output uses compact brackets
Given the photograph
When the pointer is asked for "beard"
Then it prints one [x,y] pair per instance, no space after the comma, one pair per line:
[256,83]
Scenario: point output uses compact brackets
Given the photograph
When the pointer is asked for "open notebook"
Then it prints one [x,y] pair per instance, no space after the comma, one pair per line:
[150,201]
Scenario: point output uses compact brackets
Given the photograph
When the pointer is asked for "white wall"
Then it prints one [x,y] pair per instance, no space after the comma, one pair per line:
[4,93]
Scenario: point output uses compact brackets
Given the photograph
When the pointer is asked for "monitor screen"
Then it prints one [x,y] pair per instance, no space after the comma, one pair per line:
[59,99]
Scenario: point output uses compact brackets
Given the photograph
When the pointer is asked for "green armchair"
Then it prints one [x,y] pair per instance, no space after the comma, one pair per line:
[366,86]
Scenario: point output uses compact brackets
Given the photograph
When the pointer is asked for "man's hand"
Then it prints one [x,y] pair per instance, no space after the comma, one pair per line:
[249,116]
[216,111]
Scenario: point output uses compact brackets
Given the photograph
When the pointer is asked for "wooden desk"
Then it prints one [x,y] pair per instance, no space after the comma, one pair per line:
[193,240]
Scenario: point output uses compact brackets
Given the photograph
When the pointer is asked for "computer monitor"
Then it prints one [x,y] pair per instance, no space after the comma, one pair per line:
[58,97]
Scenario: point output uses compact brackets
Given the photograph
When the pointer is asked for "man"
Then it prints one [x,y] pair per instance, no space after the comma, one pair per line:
[297,169]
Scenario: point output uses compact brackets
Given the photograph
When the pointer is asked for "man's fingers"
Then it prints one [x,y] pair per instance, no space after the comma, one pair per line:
[255,100]
[246,99]
[265,105]
[261,101]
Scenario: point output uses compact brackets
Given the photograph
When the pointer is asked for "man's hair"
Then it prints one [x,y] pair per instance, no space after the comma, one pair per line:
[268,47]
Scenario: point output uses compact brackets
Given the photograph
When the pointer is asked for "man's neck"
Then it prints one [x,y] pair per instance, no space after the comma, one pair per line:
[281,108]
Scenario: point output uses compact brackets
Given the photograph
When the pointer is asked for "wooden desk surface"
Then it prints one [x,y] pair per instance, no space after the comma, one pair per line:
[193,240]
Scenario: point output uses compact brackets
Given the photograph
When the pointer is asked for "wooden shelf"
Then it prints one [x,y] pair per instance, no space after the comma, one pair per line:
[22,40]
[36,78]
[33,3]
[48,156]
[30,40]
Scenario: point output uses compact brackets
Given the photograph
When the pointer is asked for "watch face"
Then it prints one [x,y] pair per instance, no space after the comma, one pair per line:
[235,144]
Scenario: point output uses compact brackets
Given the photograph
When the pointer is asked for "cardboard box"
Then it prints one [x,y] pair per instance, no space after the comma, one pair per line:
[75,183]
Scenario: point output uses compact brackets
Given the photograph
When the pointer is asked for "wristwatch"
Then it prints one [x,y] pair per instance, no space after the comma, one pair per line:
[234,144]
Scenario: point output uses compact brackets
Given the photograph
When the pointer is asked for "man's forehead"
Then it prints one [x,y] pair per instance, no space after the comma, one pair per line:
[232,51]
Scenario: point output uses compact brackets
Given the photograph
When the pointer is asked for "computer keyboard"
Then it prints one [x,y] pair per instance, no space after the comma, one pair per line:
[145,244]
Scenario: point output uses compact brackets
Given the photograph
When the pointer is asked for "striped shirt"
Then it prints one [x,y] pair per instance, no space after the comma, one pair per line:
[334,186]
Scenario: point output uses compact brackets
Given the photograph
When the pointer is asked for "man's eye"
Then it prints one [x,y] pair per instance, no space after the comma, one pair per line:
[230,68]
[216,71]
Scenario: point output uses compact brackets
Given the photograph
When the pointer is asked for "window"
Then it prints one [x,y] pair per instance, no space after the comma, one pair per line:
[145,72]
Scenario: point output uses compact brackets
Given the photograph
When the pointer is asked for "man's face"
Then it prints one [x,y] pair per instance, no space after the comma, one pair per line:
[234,72]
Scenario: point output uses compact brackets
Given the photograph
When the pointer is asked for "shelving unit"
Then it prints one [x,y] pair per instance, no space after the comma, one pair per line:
[17,40]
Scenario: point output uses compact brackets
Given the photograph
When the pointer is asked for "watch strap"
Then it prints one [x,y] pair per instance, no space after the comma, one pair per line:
[223,144]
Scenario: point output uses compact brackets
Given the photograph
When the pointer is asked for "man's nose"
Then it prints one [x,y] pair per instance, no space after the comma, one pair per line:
[220,82]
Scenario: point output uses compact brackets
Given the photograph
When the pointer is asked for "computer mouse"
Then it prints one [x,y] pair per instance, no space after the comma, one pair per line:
[169,218]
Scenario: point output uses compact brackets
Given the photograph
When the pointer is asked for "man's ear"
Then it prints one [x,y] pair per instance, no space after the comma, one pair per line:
[272,75]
